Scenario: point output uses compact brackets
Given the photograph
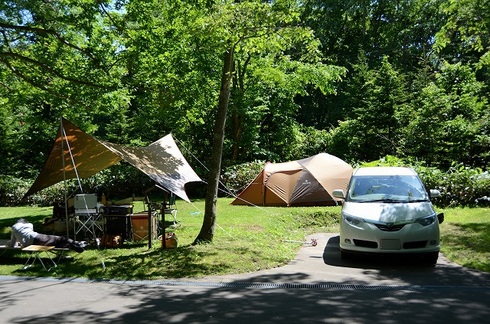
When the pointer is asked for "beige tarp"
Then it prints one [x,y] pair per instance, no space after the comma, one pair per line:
[162,160]
[306,182]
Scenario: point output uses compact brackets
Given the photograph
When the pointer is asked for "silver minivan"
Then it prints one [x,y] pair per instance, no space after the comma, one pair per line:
[388,210]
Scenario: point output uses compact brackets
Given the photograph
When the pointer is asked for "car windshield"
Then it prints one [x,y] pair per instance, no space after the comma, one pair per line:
[393,188]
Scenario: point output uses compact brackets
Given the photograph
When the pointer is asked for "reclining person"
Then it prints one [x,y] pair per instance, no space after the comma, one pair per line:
[23,232]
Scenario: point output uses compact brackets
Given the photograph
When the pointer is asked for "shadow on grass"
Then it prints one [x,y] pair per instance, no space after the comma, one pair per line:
[478,241]
[127,263]
[173,263]
[473,237]
[132,261]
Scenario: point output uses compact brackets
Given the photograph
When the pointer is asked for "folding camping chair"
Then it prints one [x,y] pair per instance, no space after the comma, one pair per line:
[87,216]
[171,208]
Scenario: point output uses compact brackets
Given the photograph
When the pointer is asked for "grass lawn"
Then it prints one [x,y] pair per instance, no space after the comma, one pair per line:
[246,239]
[465,237]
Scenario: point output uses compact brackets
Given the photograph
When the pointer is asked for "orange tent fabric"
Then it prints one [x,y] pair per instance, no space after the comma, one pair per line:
[162,160]
[306,182]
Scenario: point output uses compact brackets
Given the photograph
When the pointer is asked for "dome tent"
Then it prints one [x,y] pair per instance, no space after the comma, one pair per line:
[305,182]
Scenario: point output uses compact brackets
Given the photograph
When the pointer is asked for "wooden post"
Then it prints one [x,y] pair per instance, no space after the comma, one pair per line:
[150,238]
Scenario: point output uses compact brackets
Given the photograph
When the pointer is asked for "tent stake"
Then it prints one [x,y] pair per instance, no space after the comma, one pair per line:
[313,242]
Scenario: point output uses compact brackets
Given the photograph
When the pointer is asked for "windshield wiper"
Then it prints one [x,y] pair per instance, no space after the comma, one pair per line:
[388,200]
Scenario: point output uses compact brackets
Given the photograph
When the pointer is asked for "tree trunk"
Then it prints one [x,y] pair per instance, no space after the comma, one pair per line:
[207,230]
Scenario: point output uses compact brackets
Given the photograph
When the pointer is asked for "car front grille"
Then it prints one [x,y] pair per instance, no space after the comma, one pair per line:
[390,228]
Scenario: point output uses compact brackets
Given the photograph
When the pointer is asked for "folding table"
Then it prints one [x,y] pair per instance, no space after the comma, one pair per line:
[35,251]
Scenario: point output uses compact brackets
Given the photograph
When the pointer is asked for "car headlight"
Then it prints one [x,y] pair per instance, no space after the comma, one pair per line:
[352,220]
[426,221]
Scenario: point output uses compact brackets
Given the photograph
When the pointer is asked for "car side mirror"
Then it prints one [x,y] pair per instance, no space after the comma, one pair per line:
[440,217]
[338,193]
[434,193]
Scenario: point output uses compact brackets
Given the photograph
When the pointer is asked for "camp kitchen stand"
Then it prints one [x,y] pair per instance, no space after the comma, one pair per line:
[120,220]
[91,220]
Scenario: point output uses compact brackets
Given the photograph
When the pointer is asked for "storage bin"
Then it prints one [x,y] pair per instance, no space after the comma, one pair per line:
[139,224]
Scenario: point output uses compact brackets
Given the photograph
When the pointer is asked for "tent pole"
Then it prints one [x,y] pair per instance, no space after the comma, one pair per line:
[263,187]
[96,240]
[150,238]
[62,131]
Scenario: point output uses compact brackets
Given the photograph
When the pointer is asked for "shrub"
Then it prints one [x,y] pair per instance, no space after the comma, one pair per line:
[12,190]
[462,186]
[237,177]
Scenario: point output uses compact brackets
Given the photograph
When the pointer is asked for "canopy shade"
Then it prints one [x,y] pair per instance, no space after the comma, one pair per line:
[162,160]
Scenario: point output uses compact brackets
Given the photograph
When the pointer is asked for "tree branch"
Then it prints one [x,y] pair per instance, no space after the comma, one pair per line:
[47,68]
[36,84]
[42,31]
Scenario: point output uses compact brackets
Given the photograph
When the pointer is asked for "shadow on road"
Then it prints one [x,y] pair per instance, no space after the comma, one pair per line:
[409,269]
[445,293]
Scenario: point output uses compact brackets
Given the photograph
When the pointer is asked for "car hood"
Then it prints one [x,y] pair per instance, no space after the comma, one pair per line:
[388,212]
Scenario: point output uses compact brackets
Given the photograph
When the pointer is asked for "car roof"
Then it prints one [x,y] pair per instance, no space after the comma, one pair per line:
[384,171]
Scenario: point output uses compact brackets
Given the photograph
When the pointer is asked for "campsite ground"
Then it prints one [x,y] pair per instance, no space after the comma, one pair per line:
[317,286]
[247,239]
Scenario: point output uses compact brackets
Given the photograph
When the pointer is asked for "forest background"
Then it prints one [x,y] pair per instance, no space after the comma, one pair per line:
[403,81]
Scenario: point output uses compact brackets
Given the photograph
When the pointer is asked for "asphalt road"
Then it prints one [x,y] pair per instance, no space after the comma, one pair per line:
[317,287]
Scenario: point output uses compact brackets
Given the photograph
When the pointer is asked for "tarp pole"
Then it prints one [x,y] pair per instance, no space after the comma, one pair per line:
[150,238]
[62,131]
[72,159]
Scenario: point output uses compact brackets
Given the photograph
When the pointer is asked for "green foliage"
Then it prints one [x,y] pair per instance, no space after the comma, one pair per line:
[12,190]
[463,186]
[371,130]
[358,80]
[449,118]
[314,141]
[237,177]
[388,160]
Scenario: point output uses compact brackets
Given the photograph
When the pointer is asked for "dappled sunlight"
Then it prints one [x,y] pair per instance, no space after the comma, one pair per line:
[240,301]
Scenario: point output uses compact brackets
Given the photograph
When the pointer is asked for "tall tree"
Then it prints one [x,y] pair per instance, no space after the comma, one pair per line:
[251,29]
[450,122]
[56,58]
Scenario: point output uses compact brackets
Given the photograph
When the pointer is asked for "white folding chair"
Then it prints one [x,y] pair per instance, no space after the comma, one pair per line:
[87,216]
[171,208]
